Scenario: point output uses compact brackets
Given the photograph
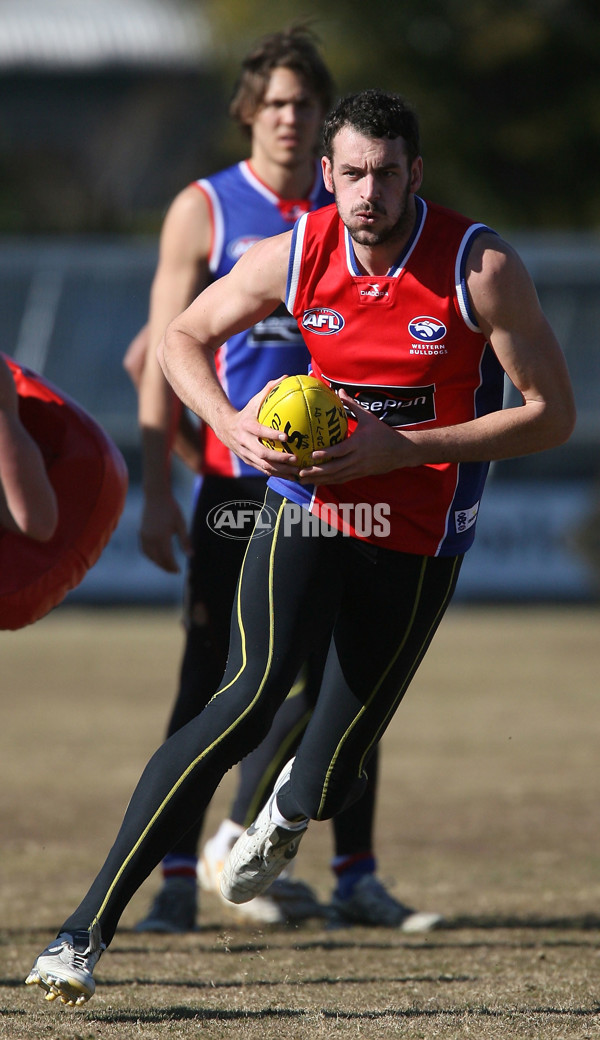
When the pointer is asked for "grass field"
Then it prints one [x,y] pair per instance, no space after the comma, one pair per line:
[488,811]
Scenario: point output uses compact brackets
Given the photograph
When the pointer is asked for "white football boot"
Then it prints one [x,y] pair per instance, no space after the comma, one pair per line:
[64,968]
[261,853]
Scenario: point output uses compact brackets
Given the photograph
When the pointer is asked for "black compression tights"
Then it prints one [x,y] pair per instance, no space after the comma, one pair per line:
[382,609]
[211,581]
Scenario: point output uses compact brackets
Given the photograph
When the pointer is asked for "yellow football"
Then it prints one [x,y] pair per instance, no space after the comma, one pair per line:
[310,412]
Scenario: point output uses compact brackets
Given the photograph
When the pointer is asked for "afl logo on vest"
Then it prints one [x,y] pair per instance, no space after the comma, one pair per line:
[323,321]
[239,246]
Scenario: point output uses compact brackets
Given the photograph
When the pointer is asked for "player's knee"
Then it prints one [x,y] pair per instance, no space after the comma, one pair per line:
[320,799]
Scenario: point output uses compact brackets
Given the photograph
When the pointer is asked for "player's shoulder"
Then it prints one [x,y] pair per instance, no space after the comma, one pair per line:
[187,226]
[490,263]
[230,193]
[189,202]
[485,251]
[225,177]
[499,285]
[196,199]
[491,257]
[262,270]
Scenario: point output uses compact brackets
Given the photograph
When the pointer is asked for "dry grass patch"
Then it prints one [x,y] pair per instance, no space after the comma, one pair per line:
[488,795]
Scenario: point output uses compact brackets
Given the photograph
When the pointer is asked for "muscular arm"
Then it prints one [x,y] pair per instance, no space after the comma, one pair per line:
[181,273]
[508,312]
[242,298]
[509,315]
[27,499]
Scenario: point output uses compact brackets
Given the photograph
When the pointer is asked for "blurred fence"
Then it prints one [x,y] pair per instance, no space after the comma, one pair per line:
[71,306]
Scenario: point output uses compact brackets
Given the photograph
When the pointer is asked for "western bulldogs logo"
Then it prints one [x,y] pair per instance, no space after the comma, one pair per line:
[426,329]
[323,321]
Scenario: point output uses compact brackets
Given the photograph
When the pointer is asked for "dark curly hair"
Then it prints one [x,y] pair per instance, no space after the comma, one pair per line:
[293,48]
[374,113]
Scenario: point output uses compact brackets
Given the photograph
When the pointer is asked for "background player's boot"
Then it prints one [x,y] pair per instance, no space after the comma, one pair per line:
[174,908]
[369,903]
[64,968]
[214,854]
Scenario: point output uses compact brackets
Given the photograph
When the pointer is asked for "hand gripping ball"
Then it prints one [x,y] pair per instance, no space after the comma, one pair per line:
[309,411]
[89,477]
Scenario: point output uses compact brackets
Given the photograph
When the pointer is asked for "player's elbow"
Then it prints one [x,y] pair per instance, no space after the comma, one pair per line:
[169,349]
[562,422]
[554,418]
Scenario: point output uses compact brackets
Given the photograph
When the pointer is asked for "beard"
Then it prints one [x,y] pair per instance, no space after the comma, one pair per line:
[398,230]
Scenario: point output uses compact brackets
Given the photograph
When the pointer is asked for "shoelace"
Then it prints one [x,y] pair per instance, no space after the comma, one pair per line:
[79,959]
